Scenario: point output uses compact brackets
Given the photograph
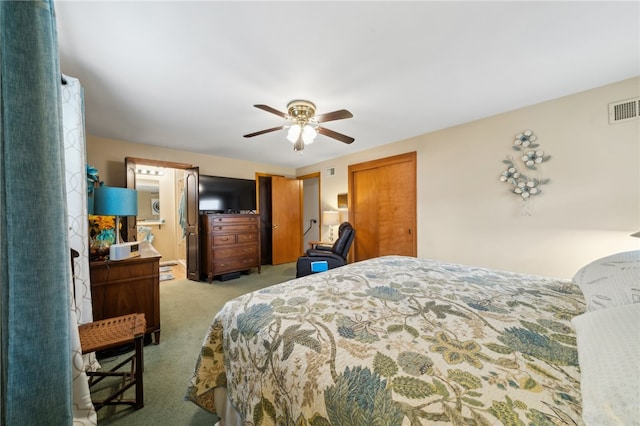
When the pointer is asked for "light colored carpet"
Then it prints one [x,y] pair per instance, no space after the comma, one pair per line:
[187,308]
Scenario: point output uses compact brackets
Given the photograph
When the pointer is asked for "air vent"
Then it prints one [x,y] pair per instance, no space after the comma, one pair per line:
[624,110]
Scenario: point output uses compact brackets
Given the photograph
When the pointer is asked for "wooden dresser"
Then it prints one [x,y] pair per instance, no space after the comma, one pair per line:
[229,243]
[121,287]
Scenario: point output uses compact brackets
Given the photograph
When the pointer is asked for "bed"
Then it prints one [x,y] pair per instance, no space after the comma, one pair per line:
[406,341]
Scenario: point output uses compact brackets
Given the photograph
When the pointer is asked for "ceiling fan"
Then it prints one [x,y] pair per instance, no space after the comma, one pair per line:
[305,125]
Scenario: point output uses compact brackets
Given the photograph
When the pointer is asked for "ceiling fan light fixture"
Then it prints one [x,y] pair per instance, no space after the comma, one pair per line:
[293,133]
[301,133]
[305,125]
[301,109]
[309,134]
[299,145]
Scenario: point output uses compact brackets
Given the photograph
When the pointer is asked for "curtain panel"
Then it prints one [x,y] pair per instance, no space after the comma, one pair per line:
[35,272]
[75,157]
[80,288]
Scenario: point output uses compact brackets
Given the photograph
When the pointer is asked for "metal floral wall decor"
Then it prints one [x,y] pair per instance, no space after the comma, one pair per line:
[523,173]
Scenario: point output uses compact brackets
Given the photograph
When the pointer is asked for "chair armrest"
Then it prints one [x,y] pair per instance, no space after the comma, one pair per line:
[324,255]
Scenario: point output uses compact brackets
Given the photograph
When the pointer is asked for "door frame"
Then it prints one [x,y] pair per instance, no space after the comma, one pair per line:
[314,175]
[193,271]
[258,175]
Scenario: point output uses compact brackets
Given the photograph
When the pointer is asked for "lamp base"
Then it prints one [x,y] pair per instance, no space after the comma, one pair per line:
[118,239]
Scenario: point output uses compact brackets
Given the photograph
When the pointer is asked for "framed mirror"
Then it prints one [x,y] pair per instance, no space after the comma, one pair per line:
[148,188]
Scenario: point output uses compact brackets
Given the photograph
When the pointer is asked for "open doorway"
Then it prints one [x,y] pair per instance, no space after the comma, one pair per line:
[158,190]
[285,236]
[165,192]
[311,208]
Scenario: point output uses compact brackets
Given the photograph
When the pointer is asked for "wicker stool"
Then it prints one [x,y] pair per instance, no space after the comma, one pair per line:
[109,333]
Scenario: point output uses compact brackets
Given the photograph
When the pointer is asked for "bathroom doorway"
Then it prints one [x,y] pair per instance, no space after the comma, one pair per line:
[167,210]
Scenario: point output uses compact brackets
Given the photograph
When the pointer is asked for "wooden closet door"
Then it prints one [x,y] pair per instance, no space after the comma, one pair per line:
[364,214]
[383,206]
[396,209]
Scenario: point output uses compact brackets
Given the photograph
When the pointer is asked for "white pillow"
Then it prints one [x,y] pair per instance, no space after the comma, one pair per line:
[610,281]
[609,357]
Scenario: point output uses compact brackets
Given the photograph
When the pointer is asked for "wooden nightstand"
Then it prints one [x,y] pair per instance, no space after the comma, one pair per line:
[122,287]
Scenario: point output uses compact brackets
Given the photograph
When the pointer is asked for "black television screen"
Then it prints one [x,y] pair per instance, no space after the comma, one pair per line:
[226,195]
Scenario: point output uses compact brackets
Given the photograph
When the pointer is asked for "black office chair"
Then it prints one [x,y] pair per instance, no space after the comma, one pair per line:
[334,256]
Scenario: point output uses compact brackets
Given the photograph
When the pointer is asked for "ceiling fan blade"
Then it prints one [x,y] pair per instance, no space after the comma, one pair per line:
[261,132]
[272,111]
[330,116]
[335,135]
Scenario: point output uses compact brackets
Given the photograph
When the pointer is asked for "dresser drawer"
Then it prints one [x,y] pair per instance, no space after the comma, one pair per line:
[225,239]
[247,238]
[235,251]
[115,270]
[232,219]
[225,265]
[236,227]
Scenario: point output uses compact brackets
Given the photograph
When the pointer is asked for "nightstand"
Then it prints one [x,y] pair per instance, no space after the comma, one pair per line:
[122,287]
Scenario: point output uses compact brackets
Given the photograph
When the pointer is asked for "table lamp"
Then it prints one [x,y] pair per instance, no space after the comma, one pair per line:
[330,218]
[112,201]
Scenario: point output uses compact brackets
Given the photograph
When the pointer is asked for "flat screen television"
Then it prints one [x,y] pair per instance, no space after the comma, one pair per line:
[219,194]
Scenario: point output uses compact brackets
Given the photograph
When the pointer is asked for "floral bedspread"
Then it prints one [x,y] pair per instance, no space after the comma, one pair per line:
[398,341]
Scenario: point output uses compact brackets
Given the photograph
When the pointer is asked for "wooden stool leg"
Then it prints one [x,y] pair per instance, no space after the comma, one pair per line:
[110,333]
[139,361]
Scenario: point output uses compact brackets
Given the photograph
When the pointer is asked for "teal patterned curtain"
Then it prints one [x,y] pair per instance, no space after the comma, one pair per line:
[36,378]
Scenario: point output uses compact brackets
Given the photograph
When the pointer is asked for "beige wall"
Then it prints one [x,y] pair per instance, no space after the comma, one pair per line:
[466,215]
[108,155]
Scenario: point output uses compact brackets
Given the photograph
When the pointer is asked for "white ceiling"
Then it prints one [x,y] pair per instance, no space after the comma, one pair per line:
[186,75]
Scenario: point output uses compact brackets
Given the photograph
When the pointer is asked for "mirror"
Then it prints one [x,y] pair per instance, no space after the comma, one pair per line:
[148,198]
